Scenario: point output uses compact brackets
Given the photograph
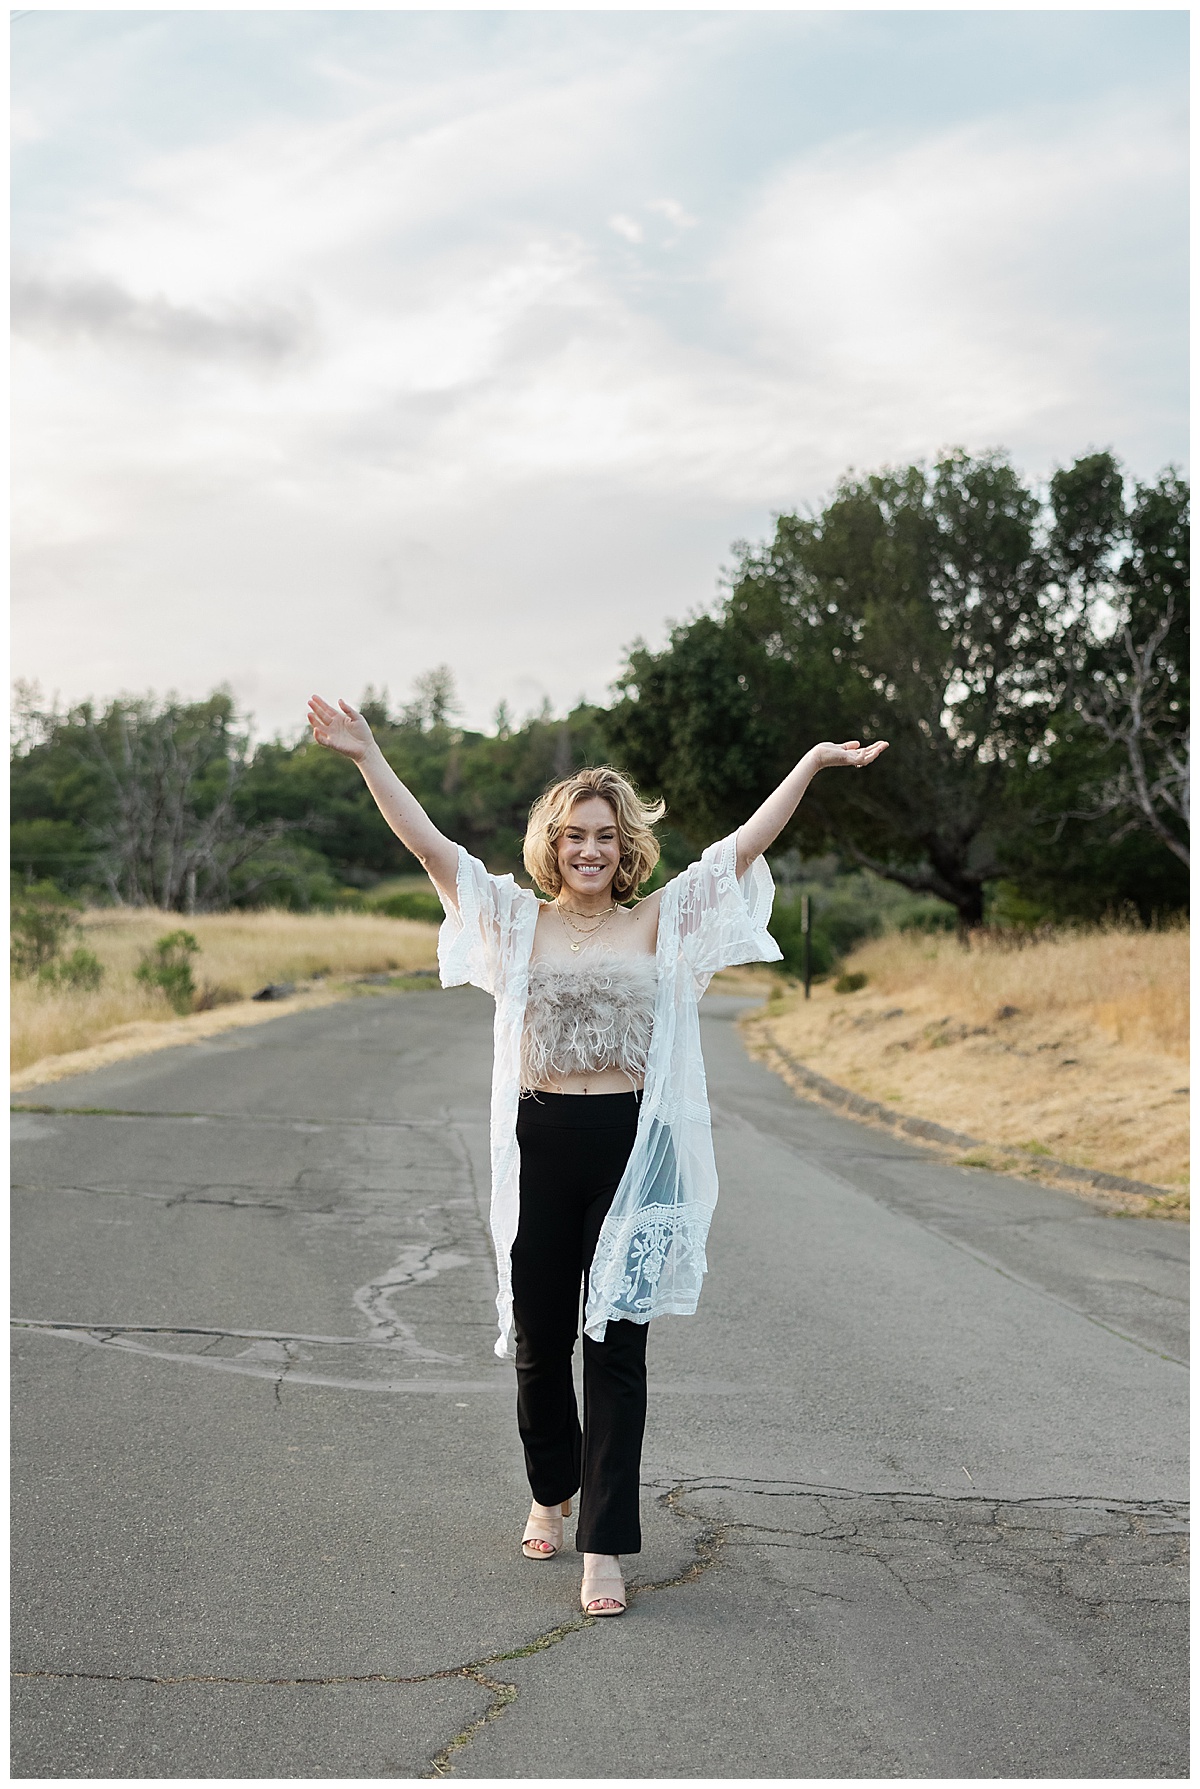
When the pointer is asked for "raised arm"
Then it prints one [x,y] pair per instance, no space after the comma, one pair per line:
[765,825]
[345,731]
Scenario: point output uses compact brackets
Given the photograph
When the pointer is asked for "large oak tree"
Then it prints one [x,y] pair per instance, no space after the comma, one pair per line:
[952,611]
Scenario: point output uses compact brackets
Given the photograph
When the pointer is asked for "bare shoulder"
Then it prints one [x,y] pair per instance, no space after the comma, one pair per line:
[646,910]
[643,918]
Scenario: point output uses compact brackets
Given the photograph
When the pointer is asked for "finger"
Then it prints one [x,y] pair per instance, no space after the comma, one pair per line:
[321,707]
[346,709]
[849,745]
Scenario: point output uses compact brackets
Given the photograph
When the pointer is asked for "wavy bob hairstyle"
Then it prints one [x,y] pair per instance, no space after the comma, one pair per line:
[550,813]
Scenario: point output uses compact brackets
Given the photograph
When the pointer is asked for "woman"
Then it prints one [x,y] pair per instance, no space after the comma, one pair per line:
[602,1162]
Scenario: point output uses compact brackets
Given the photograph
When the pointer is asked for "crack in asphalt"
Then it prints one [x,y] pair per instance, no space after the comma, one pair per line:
[711,1536]
[174,1200]
[170,1200]
[192,1329]
[707,1543]
[417,1263]
[279,1120]
[118,1339]
[897,1522]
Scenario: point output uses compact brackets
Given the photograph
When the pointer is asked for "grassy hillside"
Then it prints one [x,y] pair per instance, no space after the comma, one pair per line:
[1074,1044]
[239,953]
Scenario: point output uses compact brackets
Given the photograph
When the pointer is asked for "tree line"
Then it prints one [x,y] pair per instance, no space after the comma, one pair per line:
[1023,649]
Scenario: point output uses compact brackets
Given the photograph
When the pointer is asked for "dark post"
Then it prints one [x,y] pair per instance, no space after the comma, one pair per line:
[805,934]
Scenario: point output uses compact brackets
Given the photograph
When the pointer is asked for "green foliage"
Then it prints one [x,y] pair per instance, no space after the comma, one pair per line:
[849,982]
[846,907]
[53,850]
[144,798]
[984,628]
[82,970]
[785,928]
[415,903]
[42,919]
[288,873]
[837,925]
[954,613]
[168,966]
[477,788]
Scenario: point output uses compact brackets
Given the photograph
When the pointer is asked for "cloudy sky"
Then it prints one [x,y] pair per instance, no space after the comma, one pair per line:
[352,343]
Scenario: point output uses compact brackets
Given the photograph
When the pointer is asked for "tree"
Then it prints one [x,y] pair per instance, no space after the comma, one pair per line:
[1131,682]
[173,836]
[147,795]
[943,610]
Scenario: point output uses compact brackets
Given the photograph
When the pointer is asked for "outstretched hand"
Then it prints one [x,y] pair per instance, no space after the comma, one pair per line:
[850,755]
[342,729]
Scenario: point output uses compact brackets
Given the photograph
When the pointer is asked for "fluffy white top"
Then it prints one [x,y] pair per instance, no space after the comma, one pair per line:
[589,1015]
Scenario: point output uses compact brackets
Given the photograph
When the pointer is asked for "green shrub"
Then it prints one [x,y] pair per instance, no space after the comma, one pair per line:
[412,903]
[928,914]
[42,920]
[82,970]
[286,874]
[850,983]
[169,966]
[839,922]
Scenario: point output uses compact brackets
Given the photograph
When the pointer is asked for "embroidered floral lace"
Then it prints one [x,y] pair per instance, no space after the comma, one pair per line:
[649,1259]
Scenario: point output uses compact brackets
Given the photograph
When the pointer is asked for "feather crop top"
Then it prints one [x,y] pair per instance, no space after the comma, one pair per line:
[587,1016]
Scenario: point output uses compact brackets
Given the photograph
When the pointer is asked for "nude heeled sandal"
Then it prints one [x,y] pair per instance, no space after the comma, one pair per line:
[603,1583]
[544,1528]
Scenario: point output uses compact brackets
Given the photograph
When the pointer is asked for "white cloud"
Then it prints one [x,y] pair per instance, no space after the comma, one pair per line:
[351,397]
[626,227]
[675,214]
[960,288]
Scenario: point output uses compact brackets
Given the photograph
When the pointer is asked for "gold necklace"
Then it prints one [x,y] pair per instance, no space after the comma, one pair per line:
[578,930]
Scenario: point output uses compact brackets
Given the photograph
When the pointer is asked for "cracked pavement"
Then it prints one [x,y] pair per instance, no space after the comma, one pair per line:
[914,1473]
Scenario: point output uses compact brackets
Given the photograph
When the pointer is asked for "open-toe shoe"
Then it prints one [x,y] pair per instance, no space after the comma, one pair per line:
[545,1526]
[603,1583]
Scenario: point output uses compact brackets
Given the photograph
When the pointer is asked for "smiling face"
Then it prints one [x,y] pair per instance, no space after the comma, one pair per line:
[589,852]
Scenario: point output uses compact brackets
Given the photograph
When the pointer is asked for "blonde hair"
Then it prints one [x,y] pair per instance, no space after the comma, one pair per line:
[550,813]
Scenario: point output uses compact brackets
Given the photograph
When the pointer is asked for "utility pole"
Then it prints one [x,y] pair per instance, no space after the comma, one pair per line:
[806,934]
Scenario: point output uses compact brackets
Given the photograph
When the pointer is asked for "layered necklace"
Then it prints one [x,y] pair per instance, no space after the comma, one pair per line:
[580,932]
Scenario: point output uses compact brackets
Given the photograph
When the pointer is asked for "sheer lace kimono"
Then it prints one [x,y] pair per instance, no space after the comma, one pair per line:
[649,1259]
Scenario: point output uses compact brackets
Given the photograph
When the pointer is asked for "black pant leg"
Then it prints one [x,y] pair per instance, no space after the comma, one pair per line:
[546,1280]
[614,1421]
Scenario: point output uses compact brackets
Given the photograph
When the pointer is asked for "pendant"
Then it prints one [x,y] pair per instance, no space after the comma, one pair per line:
[575,947]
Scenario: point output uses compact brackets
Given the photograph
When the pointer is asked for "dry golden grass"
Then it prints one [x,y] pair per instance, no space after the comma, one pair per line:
[1075,1045]
[239,952]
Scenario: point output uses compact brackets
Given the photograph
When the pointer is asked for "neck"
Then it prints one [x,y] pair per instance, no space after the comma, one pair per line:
[590,901]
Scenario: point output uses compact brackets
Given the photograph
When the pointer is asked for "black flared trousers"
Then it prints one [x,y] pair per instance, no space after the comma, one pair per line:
[574,1148]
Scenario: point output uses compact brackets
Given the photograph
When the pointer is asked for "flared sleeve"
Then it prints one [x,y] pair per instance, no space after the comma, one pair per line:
[473,943]
[723,919]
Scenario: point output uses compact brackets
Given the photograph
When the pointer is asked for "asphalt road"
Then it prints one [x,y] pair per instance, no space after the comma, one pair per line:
[913,1476]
